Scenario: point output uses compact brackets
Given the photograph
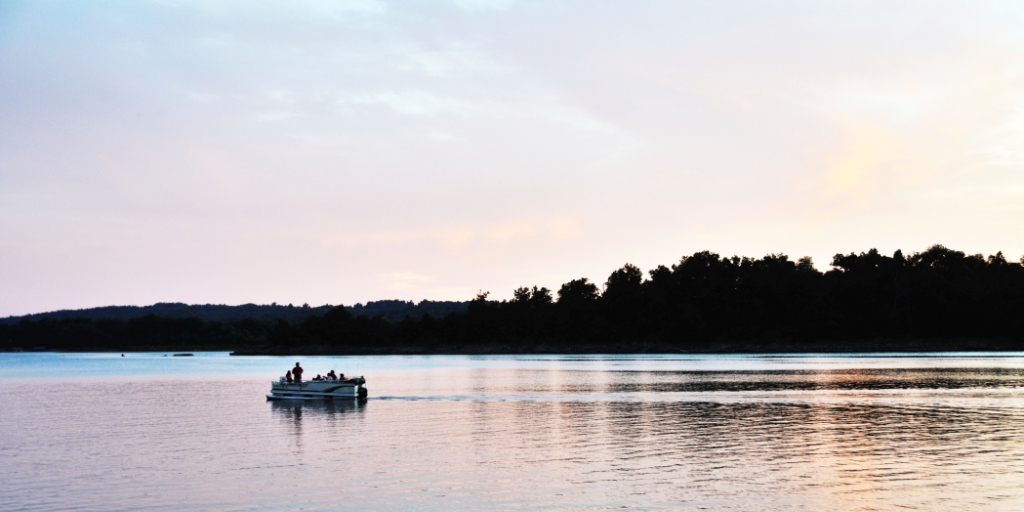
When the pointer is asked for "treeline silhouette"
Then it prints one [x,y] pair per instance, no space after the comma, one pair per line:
[939,299]
[176,326]
[392,309]
[144,333]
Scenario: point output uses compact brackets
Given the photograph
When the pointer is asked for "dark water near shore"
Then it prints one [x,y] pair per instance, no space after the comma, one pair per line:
[97,431]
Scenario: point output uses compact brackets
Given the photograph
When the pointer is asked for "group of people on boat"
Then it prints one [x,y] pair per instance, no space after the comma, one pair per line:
[295,375]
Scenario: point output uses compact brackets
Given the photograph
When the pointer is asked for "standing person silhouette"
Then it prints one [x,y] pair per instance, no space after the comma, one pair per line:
[297,372]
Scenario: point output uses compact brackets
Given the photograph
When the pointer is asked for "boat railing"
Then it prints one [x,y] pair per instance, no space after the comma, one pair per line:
[355,381]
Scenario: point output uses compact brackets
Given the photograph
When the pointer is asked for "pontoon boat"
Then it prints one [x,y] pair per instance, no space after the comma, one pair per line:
[354,388]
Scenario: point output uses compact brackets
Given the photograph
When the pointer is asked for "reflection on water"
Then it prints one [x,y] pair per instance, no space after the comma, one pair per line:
[521,436]
[290,413]
[293,409]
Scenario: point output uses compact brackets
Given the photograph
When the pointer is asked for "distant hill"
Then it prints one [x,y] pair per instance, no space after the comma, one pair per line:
[394,310]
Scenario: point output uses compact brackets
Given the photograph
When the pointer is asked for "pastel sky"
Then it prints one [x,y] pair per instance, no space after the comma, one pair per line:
[341,152]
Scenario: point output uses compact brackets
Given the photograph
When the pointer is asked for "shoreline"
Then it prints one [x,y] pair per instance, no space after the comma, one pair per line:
[872,346]
[880,345]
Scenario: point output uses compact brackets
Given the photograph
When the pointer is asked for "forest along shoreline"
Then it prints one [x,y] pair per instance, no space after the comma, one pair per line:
[936,300]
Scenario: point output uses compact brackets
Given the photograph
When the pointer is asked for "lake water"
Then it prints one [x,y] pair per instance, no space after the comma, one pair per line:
[142,432]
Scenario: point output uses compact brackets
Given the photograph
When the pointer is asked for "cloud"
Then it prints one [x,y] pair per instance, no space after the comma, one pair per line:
[353,151]
[413,103]
[458,237]
[871,155]
[405,280]
[484,5]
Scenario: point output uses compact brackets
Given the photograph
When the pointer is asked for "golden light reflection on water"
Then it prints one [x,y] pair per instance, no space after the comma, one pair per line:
[499,438]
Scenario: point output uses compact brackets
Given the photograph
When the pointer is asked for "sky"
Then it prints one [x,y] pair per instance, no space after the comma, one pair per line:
[348,151]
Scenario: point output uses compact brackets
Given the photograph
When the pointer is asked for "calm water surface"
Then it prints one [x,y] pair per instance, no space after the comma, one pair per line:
[101,432]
